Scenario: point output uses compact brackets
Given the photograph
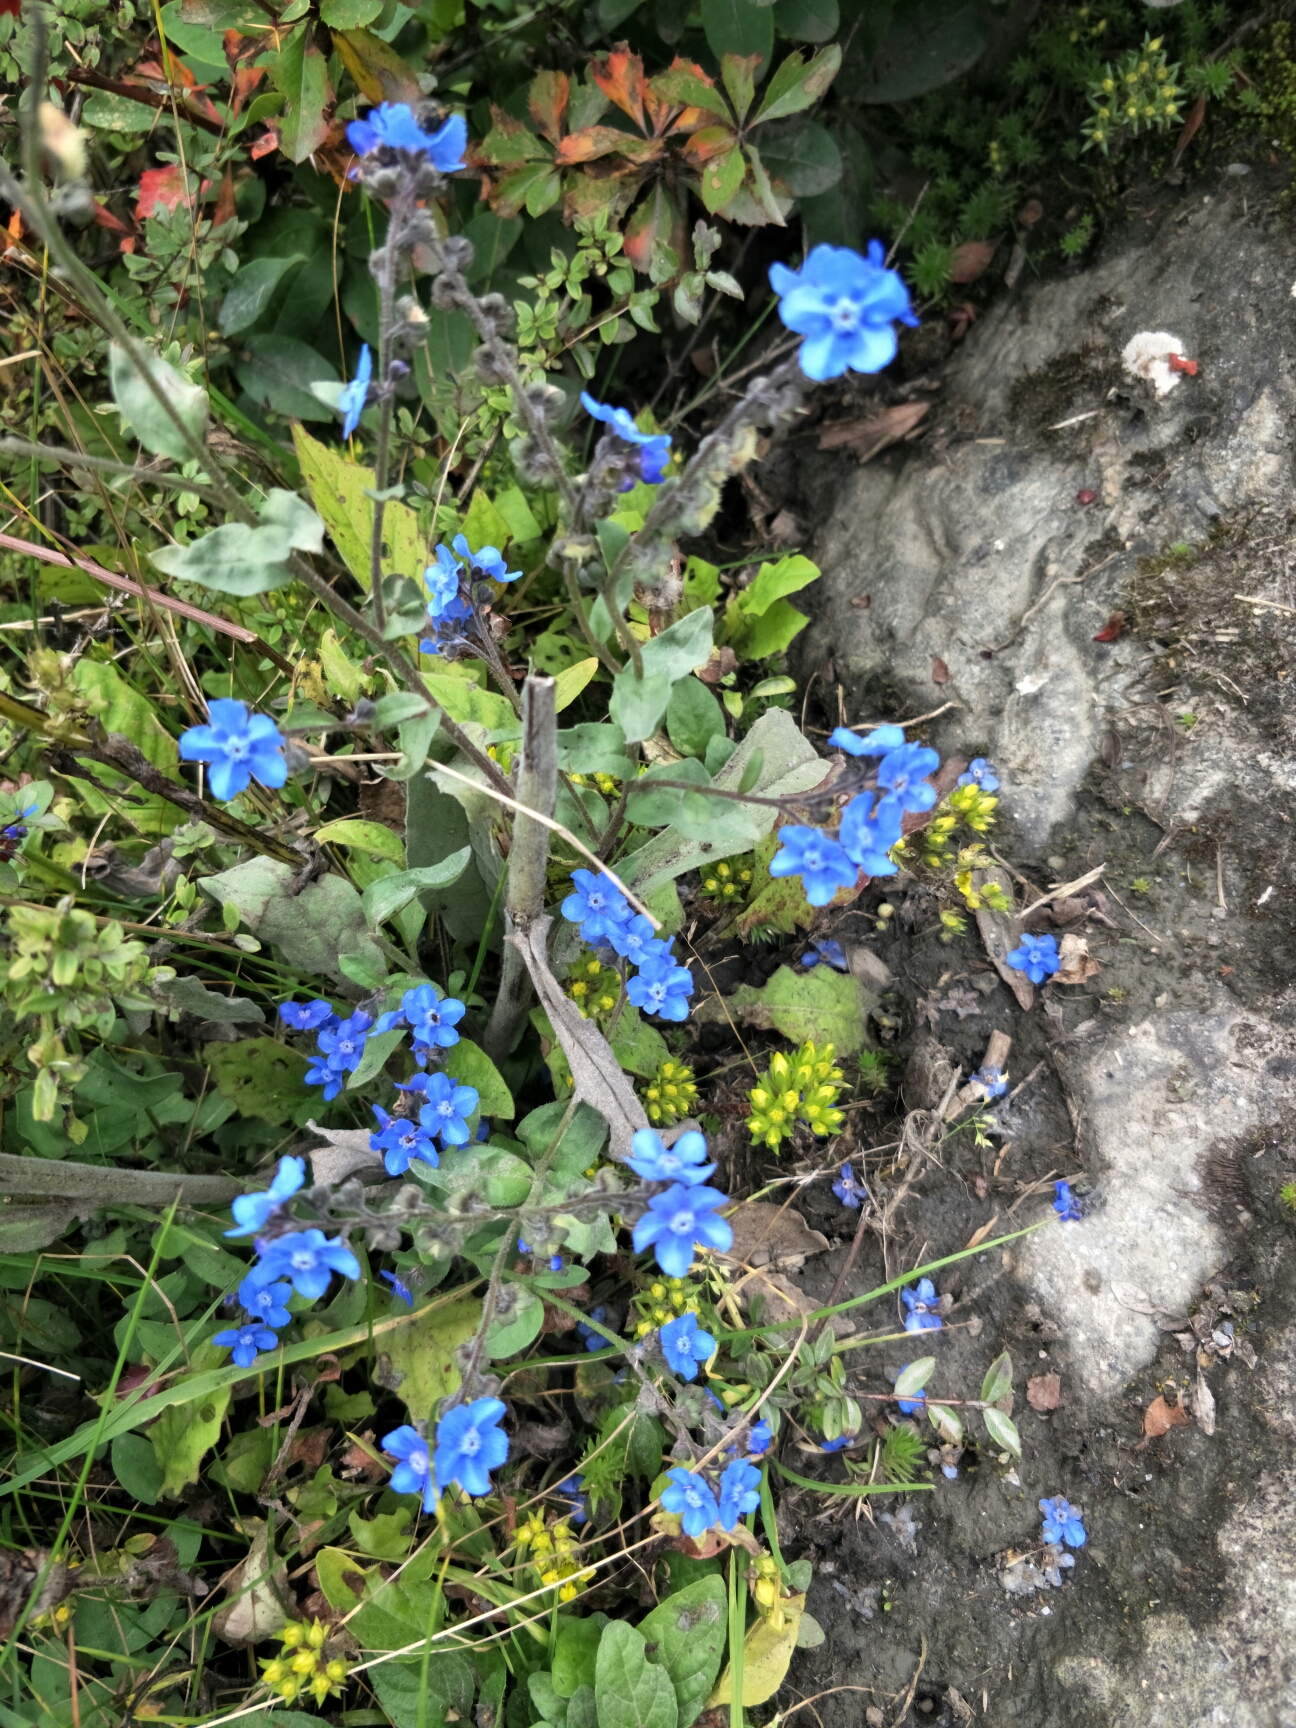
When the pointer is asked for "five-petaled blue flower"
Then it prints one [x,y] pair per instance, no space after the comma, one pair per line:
[1062,1522]
[635,941]
[980,773]
[245,1341]
[1037,958]
[1066,1205]
[909,1405]
[923,1305]
[844,305]
[684,1345]
[322,1073]
[661,987]
[355,394]
[251,1210]
[307,1259]
[830,951]
[306,1016]
[992,1082]
[817,859]
[868,832]
[343,1045]
[848,1189]
[597,905]
[678,1218]
[690,1498]
[413,1474]
[683,1162]
[654,446]
[442,582]
[447,1110]
[879,742]
[237,746]
[593,1340]
[399,1140]
[903,772]
[431,1017]
[470,1444]
[739,1492]
[266,1303]
[489,560]
[401,1292]
[392,126]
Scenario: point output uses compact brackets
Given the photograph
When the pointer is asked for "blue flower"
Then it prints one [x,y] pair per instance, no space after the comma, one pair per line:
[1066,1205]
[690,1498]
[555,1262]
[636,942]
[676,1220]
[442,580]
[488,559]
[902,772]
[470,1444]
[910,1405]
[307,1259]
[837,1445]
[923,1305]
[570,1490]
[447,1110]
[992,1082]
[682,1162]
[848,1190]
[245,1341]
[739,1492]
[399,1140]
[654,446]
[661,987]
[879,742]
[593,1340]
[355,394]
[844,305]
[413,1474]
[401,1292]
[980,773]
[431,1017]
[306,1016]
[392,126]
[238,746]
[1037,958]
[597,906]
[266,1303]
[818,860]
[684,1346]
[831,951]
[251,1210]
[869,831]
[323,1073]
[1062,1522]
[758,1441]
[343,1045]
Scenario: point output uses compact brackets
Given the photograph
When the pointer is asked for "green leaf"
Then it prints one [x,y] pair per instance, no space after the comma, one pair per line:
[183,1435]
[946,1423]
[575,1651]
[571,681]
[720,179]
[372,837]
[649,806]
[244,1462]
[299,72]
[349,14]
[913,1378]
[798,85]
[378,1047]
[807,20]
[423,1354]
[135,1465]
[998,1379]
[682,84]
[513,507]
[385,1536]
[581,1144]
[471,1066]
[805,158]
[690,1629]
[773,582]
[236,559]
[142,411]
[483,525]
[400,705]
[630,1691]
[592,748]
[176,1241]
[493,238]
[739,74]
[820,1005]
[930,43]
[389,895]
[411,1701]
[1003,1431]
[250,292]
[771,633]
[464,699]
[261,1076]
[338,489]
[277,372]
[738,27]
[552,1708]
[312,929]
[693,717]
[517,1322]
[638,1046]
[105,112]
[638,705]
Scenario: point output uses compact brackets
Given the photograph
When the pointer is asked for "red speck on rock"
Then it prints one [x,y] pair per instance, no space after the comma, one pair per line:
[1085,496]
[1177,363]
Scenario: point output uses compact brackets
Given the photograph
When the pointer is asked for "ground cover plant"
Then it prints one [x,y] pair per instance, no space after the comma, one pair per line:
[389,746]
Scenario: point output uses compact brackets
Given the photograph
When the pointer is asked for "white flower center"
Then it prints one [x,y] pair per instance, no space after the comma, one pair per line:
[682,1222]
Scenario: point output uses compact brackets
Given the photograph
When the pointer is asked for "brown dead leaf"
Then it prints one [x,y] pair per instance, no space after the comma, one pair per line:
[1044,1391]
[940,671]
[1159,1417]
[1030,212]
[971,259]
[768,1234]
[1000,934]
[870,434]
[978,1236]
[1075,963]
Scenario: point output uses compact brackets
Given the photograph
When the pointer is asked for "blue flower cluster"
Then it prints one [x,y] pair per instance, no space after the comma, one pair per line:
[871,821]
[17,829]
[845,305]
[653,447]
[452,591]
[468,1445]
[923,1305]
[238,747]
[691,1496]
[1037,957]
[606,920]
[682,1212]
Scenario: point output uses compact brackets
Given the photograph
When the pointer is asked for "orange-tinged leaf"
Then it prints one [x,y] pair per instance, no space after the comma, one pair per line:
[161,189]
[656,224]
[596,141]
[710,141]
[246,79]
[547,100]
[620,76]
[685,82]
[1159,1417]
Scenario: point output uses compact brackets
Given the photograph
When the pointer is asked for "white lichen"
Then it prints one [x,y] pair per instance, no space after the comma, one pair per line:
[1147,355]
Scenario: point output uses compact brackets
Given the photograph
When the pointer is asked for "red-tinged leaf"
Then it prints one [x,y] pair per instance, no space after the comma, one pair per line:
[245,81]
[507,143]
[535,187]
[971,259]
[547,100]
[721,178]
[1086,495]
[656,223]
[710,141]
[940,671]
[1191,126]
[686,83]
[100,215]
[620,76]
[796,85]
[240,48]
[10,8]
[739,74]
[597,141]
[268,141]
[161,189]
[225,210]
[1112,629]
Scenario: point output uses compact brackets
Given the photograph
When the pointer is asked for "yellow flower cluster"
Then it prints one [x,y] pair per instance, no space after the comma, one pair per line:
[728,880]
[990,893]
[302,1667]
[800,1088]
[670,1094]
[594,988]
[664,1299]
[606,783]
[767,1590]
[550,1549]
[1138,91]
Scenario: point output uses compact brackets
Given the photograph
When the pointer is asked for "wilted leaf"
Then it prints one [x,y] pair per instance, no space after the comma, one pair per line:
[1075,963]
[767,1655]
[971,259]
[940,671]
[183,1434]
[821,1005]
[1204,1405]
[1159,1417]
[768,1234]
[686,83]
[258,1602]
[1044,1391]
[547,102]
[869,434]
[620,76]
[379,71]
